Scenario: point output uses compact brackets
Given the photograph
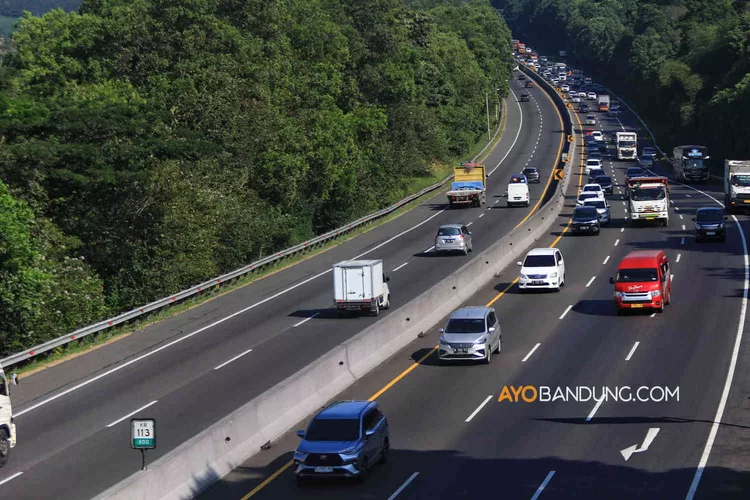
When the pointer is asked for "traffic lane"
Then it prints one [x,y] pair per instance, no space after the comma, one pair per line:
[311,354]
[43,384]
[56,377]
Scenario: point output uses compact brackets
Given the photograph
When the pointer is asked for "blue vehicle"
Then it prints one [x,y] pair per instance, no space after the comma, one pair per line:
[518,179]
[343,440]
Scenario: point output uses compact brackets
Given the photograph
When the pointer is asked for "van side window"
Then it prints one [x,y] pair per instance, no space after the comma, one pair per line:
[372,419]
[491,319]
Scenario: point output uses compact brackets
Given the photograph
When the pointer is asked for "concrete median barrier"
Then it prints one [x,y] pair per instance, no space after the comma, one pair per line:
[194,465]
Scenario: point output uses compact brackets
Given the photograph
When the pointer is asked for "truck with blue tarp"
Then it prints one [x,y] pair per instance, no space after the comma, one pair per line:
[469,186]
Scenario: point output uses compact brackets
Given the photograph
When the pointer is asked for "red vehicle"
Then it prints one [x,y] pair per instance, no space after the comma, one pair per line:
[643,281]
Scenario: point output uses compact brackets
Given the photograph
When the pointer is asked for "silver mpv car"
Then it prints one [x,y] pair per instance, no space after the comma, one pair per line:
[471,333]
[454,238]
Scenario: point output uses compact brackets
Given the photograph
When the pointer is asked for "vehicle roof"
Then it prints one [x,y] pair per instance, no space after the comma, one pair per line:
[592,184]
[541,251]
[640,259]
[345,409]
[457,226]
[530,169]
[635,168]
[470,312]
[710,209]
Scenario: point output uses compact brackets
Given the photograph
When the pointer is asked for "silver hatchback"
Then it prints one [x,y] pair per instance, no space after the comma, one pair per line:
[454,238]
[471,333]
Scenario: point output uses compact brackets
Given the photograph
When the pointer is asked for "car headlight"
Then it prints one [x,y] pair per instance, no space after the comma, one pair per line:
[300,457]
[553,275]
[483,340]
[656,293]
[524,277]
[350,451]
[443,340]
[697,226]
[618,295]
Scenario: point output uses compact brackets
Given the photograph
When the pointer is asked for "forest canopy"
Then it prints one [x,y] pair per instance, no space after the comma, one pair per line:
[684,64]
[149,145]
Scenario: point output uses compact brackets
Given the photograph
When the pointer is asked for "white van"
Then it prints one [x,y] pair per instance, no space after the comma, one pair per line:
[518,194]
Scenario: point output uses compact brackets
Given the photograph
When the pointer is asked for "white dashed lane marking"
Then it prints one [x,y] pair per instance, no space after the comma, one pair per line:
[605,260]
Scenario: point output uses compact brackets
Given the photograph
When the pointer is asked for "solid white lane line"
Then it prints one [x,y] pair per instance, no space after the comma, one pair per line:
[730,372]
[630,354]
[590,281]
[678,257]
[316,314]
[682,241]
[479,408]
[617,242]
[543,485]
[131,414]
[683,227]
[593,412]
[566,312]
[11,477]
[518,133]
[250,350]
[481,215]
[411,478]
[530,353]
[605,260]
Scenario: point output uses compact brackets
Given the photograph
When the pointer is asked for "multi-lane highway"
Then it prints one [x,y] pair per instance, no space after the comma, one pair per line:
[451,437]
[190,371]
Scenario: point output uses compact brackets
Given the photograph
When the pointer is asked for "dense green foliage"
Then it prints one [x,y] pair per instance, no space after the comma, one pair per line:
[685,64]
[167,141]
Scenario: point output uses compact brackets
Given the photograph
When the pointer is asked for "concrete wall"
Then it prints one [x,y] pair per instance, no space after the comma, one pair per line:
[197,463]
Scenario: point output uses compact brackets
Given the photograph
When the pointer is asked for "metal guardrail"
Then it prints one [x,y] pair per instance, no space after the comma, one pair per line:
[224,278]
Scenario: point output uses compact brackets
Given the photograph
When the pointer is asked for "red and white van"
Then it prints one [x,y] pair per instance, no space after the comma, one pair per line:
[643,281]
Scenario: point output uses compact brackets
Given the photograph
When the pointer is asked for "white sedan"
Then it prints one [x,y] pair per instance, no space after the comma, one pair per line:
[565,88]
[592,188]
[597,135]
[593,163]
[591,96]
[587,196]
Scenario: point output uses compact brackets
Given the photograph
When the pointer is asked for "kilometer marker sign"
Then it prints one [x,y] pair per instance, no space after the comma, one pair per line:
[143,433]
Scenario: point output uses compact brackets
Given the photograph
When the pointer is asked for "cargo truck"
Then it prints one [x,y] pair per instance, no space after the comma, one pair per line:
[649,199]
[627,145]
[689,163]
[469,186]
[360,285]
[521,48]
[603,101]
[736,185]
[7,426]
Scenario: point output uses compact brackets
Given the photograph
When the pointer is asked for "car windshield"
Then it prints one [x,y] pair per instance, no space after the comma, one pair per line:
[333,429]
[539,261]
[528,171]
[595,204]
[709,216]
[449,231]
[637,275]
[741,180]
[587,195]
[648,151]
[585,213]
[603,180]
[635,172]
[646,159]
[648,194]
[596,188]
[465,325]
[693,164]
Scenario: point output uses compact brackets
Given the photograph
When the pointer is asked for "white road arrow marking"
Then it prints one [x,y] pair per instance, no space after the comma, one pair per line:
[650,436]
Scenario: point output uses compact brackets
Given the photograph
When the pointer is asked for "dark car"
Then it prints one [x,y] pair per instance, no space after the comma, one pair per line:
[605,182]
[709,224]
[522,77]
[584,108]
[343,440]
[524,97]
[635,172]
[594,154]
[529,84]
[585,220]
[532,174]
[593,174]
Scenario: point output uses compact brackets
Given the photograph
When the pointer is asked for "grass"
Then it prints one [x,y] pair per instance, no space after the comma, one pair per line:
[95,341]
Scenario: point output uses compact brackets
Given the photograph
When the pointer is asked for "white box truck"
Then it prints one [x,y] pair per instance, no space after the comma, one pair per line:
[649,199]
[627,145]
[736,185]
[7,427]
[360,285]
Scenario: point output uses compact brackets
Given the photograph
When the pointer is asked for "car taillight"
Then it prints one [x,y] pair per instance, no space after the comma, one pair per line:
[460,236]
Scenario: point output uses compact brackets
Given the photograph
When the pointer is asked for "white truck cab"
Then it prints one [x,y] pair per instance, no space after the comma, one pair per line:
[7,427]
[649,199]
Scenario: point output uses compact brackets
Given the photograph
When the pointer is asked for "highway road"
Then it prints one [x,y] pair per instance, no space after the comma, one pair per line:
[192,370]
[452,438]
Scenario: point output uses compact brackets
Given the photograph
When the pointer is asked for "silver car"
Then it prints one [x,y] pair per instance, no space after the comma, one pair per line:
[454,238]
[471,333]
[602,209]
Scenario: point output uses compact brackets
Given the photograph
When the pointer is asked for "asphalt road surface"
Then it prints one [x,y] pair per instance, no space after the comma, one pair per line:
[452,438]
[192,370]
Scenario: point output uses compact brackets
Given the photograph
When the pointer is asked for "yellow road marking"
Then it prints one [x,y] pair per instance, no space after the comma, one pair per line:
[434,349]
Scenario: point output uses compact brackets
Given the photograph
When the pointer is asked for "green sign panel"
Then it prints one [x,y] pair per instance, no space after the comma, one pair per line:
[143,433]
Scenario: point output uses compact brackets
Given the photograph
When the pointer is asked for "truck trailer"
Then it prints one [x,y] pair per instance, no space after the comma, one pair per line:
[736,185]
[360,285]
[603,101]
[469,186]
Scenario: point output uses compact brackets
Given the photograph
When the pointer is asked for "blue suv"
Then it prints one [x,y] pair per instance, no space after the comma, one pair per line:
[344,440]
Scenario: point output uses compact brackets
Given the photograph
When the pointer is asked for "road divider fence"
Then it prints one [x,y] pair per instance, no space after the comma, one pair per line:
[191,467]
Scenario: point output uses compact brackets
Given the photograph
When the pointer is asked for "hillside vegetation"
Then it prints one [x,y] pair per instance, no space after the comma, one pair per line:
[148,145]
[685,64]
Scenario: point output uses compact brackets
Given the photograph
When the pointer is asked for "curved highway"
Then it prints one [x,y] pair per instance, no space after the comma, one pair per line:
[452,438]
[192,370]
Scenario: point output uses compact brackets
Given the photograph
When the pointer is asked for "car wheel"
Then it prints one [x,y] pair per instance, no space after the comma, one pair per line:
[466,251]
[488,359]
[499,345]
[300,480]
[364,472]
[387,304]
[723,238]
[620,312]
[376,309]
[4,447]
[386,449]
[668,298]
